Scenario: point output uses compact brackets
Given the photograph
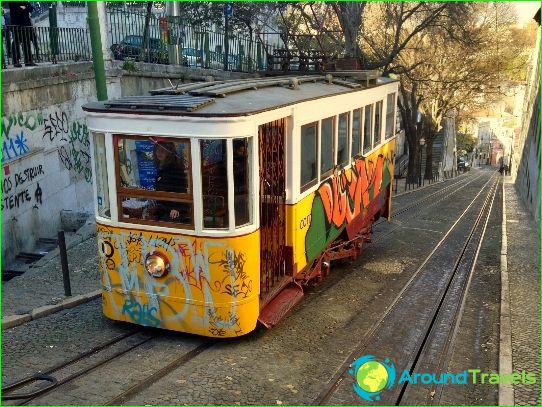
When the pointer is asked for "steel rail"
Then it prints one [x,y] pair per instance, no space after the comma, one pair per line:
[154,377]
[85,370]
[461,260]
[337,378]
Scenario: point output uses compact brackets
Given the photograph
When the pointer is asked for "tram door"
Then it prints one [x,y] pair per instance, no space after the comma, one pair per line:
[272,207]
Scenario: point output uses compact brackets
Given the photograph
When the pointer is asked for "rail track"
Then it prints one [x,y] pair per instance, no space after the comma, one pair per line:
[92,369]
[90,364]
[418,329]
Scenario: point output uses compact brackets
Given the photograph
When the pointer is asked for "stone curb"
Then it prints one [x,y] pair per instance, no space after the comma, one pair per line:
[40,312]
[506,390]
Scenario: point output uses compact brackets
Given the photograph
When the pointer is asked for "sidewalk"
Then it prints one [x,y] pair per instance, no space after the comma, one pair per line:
[40,290]
[523,265]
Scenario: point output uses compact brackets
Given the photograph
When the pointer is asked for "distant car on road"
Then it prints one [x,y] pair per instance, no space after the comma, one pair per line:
[130,47]
[462,164]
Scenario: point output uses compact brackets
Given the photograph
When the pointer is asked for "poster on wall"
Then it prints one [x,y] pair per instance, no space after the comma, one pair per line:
[146,168]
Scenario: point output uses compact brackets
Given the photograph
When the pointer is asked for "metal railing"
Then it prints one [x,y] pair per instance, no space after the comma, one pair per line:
[31,45]
[136,36]
[169,41]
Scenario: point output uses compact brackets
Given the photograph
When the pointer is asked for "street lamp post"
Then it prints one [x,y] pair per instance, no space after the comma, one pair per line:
[422,143]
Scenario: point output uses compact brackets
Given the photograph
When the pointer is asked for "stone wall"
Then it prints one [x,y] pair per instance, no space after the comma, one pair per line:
[526,156]
[46,164]
[45,152]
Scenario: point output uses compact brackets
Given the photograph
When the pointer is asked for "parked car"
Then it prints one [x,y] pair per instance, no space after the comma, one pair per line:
[192,57]
[463,164]
[130,47]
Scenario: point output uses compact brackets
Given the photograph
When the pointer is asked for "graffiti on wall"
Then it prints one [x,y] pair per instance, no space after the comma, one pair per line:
[52,128]
[75,156]
[344,197]
[20,189]
[14,133]
[203,271]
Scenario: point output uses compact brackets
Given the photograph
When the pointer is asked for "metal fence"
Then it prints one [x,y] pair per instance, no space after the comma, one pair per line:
[168,40]
[30,45]
[140,37]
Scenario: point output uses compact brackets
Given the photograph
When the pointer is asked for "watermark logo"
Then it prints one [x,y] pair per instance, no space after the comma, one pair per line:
[372,376]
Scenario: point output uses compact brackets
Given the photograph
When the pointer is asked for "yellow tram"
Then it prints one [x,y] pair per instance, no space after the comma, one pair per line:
[217,201]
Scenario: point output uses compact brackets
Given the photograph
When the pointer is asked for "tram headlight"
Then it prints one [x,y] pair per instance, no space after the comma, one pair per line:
[156,264]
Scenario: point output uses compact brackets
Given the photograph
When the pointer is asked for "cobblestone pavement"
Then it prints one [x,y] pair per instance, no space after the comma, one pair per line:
[291,363]
[288,364]
[47,341]
[43,285]
[477,342]
[524,279]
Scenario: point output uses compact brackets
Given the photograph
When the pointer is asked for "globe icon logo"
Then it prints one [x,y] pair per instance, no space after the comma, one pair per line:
[372,376]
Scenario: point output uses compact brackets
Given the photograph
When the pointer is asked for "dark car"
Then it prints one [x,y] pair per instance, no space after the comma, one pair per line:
[130,47]
[462,164]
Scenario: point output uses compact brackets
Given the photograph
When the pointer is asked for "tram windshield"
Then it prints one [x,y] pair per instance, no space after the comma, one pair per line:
[155,185]
[154,179]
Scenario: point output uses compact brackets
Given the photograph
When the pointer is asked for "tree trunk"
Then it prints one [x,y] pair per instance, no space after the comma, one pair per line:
[350,17]
[429,160]
[413,162]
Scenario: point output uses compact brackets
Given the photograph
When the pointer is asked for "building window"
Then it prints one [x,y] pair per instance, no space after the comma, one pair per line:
[242,180]
[154,181]
[342,139]
[390,114]
[214,183]
[100,168]
[326,145]
[378,123]
[309,155]
[367,129]
[356,132]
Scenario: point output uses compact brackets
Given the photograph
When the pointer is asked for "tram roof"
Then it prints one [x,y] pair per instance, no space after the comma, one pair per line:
[239,97]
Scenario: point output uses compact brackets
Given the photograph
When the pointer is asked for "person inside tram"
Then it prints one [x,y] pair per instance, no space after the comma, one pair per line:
[240,177]
[171,177]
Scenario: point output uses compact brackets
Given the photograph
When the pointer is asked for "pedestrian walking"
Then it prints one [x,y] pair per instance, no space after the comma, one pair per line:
[22,36]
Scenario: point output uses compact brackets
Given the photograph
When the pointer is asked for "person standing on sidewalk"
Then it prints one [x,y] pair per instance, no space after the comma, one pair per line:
[20,17]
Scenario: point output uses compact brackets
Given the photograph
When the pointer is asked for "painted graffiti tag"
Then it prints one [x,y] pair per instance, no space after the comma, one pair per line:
[38,193]
[140,314]
[16,188]
[342,198]
[233,266]
[27,120]
[28,175]
[75,156]
[14,148]
[56,125]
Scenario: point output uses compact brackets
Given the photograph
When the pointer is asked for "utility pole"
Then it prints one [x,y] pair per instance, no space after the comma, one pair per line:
[97,54]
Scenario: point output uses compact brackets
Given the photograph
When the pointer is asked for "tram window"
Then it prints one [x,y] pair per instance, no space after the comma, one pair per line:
[242,156]
[326,145]
[378,123]
[214,183]
[342,140]
[309,155]
[390,114]
[367,129]
[154,179]
[100,167]
[356,132]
